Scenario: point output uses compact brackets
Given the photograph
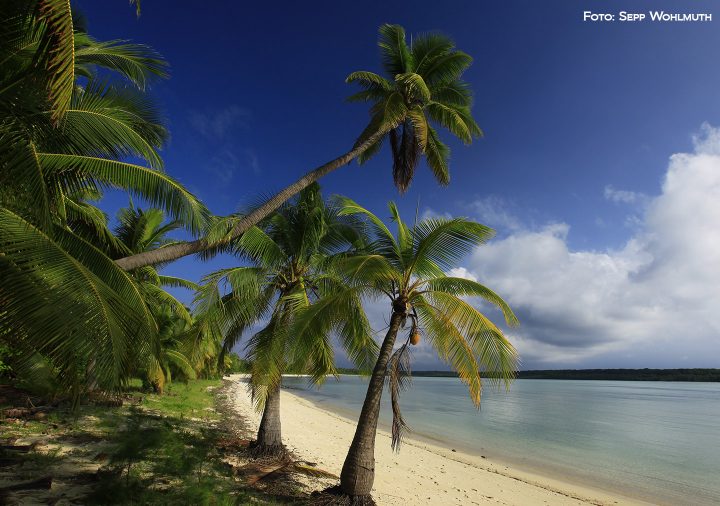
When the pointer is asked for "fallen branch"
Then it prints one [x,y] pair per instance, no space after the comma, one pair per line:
[42,483]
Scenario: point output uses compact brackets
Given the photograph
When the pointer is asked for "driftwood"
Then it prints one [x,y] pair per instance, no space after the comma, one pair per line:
[272,469]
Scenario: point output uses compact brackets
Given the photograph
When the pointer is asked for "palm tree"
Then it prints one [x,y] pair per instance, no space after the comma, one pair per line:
[288,254]
[138,231]
[171,361]
[409,269]
[423,87]
[64,136]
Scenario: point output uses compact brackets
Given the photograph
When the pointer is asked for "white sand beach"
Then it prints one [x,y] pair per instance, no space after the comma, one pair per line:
[422,473]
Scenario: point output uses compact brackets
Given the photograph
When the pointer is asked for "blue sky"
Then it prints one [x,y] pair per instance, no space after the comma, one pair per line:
[580,122]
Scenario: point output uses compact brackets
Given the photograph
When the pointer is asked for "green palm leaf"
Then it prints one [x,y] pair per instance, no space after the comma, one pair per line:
[176,282]
[415,88]
[451,119]
[138,63]
[57,52]
[469,288]
[451,346]
[103,120]
[443,242]
[156,187]
[437,155]
[396,55]
[424,82]
[63,297]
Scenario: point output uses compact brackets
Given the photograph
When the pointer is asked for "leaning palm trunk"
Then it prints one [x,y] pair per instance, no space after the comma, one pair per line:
[358,472]
[179,250]
[269,437]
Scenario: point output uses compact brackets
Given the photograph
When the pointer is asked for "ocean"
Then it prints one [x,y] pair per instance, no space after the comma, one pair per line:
[656,441]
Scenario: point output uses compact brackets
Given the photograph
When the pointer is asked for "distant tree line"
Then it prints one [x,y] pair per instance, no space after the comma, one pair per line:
[592,374]
[625,374]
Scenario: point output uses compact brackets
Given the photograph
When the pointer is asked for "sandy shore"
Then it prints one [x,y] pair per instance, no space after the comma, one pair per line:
[421,473]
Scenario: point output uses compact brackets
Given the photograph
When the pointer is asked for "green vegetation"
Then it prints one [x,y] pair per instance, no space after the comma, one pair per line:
[423,85]
[290,255]
[87,327]
[72,110]
[162,449]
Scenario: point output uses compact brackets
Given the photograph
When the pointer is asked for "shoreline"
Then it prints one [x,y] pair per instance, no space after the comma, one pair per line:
[545,474]
[425,471]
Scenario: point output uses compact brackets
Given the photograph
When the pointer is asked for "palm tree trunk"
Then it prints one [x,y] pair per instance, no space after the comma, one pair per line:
[269,437]
[175,251]
[358,472]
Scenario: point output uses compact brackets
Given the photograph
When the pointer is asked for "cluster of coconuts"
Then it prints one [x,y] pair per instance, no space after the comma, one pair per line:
[414,336]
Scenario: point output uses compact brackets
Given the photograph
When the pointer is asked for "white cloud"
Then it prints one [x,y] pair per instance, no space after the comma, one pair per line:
[495,212]
[653,302]
[623,196]
[216,125]
[462,272]
[431,213]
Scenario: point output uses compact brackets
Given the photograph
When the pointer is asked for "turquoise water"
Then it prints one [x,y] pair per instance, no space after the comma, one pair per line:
[657,441]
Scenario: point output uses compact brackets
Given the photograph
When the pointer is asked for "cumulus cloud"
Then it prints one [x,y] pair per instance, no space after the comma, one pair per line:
[653,302]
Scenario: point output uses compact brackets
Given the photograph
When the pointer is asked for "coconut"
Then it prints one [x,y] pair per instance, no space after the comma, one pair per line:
[415,338]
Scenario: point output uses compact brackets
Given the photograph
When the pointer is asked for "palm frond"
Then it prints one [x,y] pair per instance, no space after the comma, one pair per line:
[398,378]
[419,126]
[369,80]
[446,68]
[155,295]
[451,345]
[176,282]
[437,155]
[67,300]
[179,360]
[158,188]
[466,287]
[258,246]
[446,241]
[455,94]
[265,351]
[450,118]
[348,207]
[137,63]
[56,52]
[106,121]
[427,48]
[396,56]
[311,349]
[404,235]
[416,90]
[24,178]
[494,352]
